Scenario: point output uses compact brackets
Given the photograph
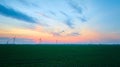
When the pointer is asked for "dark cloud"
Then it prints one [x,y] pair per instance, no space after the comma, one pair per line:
[75,6]
[5,11]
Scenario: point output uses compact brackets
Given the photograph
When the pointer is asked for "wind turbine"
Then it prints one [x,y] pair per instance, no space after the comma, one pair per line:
[7,41]
[40,40]
[56,41]
[14,40]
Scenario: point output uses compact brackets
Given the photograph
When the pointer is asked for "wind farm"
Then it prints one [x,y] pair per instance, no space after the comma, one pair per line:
[60,33]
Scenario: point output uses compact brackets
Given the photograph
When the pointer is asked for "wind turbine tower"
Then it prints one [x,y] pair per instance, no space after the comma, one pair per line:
[14,40]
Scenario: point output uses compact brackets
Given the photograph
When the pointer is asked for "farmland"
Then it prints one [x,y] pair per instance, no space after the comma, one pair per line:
[59,55]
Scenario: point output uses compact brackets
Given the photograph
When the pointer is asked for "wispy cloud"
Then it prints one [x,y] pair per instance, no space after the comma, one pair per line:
[29,3]
[68,20]
[53,13]
[58,33]
[9,12]
[64,14]
[69,23]
[74,34]
[24,2]
[79,9]
[82,19]
[75,6]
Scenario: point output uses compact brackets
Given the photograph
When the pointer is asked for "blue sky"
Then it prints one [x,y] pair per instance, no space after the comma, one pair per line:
[83,21]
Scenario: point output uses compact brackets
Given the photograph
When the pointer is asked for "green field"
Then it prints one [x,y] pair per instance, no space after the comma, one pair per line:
[59,56]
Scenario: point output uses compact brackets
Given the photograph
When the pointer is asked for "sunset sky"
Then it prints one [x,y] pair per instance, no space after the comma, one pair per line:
[67,21]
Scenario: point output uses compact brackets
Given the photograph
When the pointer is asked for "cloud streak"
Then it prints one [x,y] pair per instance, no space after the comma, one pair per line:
[58,33]
[78,9]
[75,6]
[83,19]
[8,12]
[69,23]
[68,19]
[64,14]
[74,34]
[51,12]
[28,3]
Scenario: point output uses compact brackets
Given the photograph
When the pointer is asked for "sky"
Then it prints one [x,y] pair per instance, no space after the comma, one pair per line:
[61,21]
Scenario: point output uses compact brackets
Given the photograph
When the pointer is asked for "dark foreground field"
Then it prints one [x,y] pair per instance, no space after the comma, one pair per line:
[59,56]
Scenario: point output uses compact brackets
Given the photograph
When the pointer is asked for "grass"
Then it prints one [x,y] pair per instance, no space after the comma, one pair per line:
[59,56]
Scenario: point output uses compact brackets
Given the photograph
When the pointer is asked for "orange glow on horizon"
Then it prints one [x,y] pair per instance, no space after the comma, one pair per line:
[86,35]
